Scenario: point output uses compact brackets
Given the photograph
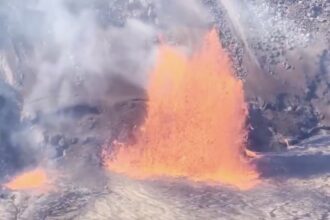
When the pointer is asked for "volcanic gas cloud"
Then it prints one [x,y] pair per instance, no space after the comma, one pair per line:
[196,121]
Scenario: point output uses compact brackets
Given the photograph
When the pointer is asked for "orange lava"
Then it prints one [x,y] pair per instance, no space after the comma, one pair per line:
[196,121]
[252,154]
[35,179]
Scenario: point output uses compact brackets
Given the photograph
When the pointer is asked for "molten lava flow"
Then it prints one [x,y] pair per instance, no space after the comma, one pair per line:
[196,121]
[35,179]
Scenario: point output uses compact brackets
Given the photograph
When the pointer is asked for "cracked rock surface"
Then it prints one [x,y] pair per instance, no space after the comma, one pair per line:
[284,193]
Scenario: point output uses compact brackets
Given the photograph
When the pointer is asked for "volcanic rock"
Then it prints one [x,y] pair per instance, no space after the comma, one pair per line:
[271,70]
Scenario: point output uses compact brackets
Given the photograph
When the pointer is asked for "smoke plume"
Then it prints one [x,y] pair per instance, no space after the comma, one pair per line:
[61,53]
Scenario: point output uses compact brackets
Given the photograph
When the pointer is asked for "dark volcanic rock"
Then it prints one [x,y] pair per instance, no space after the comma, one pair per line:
[284,63]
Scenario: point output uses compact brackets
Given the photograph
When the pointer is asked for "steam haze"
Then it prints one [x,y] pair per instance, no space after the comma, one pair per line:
[93,53]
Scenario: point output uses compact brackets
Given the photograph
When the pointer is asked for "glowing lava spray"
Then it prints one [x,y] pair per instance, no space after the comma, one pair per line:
[35,179]
[196,121]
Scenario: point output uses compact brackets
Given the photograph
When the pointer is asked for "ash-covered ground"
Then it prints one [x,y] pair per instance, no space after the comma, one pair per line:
[58,108]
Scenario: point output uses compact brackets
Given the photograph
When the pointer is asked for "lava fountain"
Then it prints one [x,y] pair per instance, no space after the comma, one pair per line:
[196,121]
[35,179]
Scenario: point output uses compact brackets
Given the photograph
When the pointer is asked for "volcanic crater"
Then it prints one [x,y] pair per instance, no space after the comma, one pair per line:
[145,109]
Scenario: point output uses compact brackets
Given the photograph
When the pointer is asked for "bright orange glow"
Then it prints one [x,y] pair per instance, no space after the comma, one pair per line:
[35,179]
[252,154]
[196,121]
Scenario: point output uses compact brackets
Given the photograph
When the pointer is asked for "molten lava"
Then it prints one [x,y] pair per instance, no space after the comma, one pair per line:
[35,179]
[196,121]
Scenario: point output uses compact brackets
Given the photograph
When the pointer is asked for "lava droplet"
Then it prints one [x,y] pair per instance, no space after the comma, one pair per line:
[196,121]
[35,179]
